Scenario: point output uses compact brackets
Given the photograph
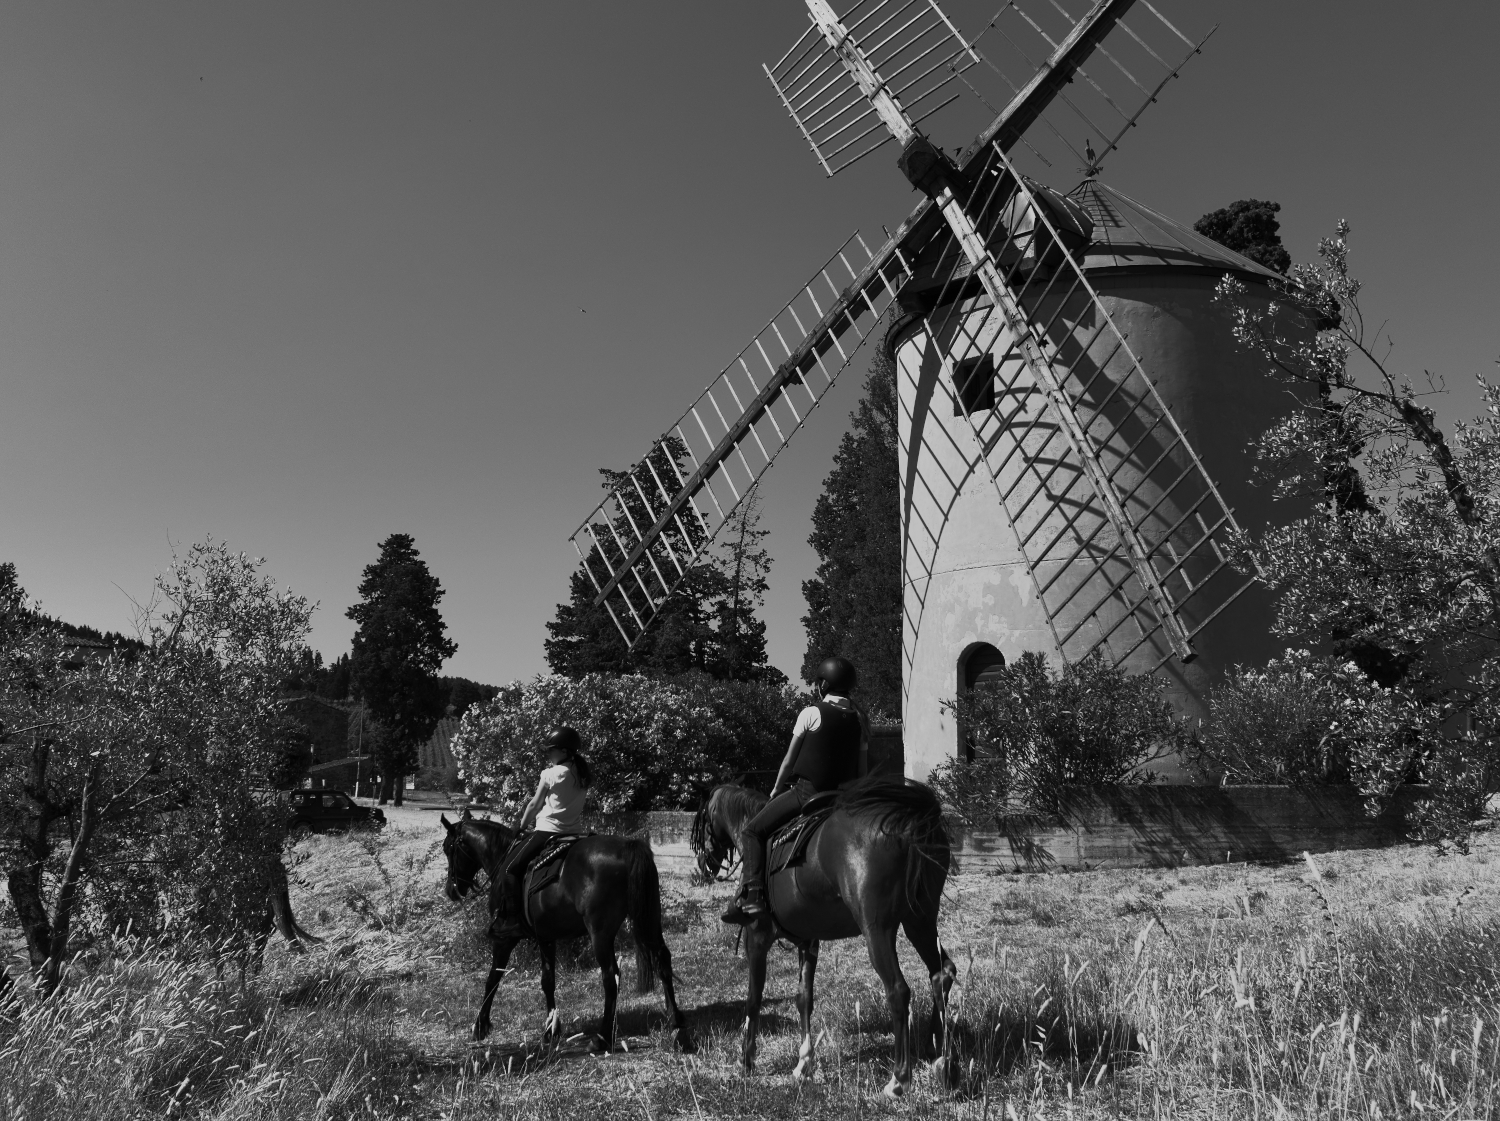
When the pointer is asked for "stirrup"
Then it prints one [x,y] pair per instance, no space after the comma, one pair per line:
[748,906]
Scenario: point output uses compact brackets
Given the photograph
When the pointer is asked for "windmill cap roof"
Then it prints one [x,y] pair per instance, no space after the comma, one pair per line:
[1129,235]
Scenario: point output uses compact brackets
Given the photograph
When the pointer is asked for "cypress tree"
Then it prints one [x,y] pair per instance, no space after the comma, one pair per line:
[854,600]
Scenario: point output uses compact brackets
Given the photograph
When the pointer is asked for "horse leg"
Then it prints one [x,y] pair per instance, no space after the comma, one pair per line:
[681,1037]
[940,973]
[807,1059]
[758,939]
[552,1027]
[881,942]
[499,956]
[609,971]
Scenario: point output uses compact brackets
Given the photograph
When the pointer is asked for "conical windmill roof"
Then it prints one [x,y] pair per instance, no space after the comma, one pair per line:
[1129,235]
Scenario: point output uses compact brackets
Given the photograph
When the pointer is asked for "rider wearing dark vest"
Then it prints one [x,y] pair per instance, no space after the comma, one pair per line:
[829,749]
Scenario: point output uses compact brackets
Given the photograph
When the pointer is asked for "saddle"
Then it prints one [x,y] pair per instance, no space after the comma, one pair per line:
[788,845]
[547,866]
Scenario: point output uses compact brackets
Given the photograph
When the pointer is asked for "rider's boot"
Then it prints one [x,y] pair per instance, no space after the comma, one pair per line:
[509,921]
[749,905]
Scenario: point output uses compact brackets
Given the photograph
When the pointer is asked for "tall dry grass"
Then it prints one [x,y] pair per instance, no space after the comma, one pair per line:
[1198,993]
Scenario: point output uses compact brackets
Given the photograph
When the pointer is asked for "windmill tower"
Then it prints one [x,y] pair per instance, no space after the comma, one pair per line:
[1053,353]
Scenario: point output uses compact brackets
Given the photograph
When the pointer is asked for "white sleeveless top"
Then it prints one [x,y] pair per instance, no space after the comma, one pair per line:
[563,806]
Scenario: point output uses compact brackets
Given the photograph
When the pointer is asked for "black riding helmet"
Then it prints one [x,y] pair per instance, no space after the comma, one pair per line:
[838,675]
[563,738]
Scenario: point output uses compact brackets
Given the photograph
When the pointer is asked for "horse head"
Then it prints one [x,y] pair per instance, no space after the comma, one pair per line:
[471,846]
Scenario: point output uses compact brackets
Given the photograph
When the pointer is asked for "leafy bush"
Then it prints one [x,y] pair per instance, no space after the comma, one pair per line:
[1034,735]
[1312,720]
[653,743]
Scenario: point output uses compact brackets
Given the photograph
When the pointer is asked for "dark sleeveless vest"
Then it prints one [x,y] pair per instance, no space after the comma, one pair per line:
[829,755]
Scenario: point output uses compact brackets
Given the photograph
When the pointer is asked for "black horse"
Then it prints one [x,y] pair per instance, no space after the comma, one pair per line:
[604,881]
[876,864]
[715,839]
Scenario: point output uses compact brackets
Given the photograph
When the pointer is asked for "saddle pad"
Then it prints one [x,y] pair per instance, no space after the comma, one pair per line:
[789,844]
[547,866]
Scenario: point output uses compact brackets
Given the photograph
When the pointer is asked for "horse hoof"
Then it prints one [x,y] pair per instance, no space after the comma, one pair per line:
[683,1042]
[480,1032]
[894,1088]
[804,1070]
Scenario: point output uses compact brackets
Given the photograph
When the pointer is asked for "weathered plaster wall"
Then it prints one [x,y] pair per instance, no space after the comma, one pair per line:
[966,580]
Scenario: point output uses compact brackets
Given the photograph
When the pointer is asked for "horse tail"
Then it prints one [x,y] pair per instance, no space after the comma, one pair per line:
[912,811]
[643,905]
[929,859]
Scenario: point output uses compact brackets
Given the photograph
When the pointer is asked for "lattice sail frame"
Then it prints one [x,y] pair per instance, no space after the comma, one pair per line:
[1124,534]
[644,539]
[910,42]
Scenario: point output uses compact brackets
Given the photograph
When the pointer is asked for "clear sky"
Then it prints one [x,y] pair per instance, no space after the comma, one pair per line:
[301,275]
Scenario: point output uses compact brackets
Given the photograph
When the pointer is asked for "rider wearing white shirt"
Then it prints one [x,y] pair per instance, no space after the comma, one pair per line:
[554,809]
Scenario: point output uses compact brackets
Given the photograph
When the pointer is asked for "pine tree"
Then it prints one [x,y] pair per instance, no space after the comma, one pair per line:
[709,623]
[584,639]
[744,567]
[399,646]
[854,601]
[1250,228]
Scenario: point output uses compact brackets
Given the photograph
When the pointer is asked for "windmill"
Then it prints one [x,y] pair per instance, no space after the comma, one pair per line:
[1100,517]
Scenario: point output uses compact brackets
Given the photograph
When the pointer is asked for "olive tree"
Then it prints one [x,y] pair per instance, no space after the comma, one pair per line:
[1396,566]
[136,784]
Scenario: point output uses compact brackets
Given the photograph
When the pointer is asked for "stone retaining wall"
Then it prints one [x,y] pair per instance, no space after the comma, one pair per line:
[1129,827]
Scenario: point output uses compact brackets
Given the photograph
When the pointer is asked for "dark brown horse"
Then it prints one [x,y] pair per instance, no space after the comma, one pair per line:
[604,881]
[715,839]
[876,865]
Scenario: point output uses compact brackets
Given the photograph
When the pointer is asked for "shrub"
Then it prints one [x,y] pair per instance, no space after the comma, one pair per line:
[1307,720]
[1035,734]
[653,743]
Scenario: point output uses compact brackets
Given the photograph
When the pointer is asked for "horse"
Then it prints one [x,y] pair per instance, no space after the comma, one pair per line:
[715,838]
[604,880]
[877,864]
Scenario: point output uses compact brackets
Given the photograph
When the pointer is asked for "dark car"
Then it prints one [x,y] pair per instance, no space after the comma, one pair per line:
[322,811]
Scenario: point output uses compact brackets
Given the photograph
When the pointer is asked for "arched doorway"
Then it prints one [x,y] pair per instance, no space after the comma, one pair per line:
[979,662]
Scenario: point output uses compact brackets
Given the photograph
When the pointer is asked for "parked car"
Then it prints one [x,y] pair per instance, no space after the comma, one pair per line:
[326,810]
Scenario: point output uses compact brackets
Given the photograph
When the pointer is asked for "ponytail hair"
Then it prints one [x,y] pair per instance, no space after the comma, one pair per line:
[582,769]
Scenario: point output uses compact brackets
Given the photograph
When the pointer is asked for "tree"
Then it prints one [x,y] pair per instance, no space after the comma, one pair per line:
[708,623]
[1250,228]
[744,568]
[854,600]
[137,781]
[1397,567]
[400,643]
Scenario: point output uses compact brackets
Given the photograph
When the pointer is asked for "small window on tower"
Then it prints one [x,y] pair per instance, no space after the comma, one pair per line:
[975,380]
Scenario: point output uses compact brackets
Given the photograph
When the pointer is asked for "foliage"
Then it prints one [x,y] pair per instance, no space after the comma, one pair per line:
[131,787]
[1306,720]
[1036,736]
[1396,564]
[462,694]
[1250,228]
[399,645]
[744,568]
[854,600]
[708,623]
[653,743]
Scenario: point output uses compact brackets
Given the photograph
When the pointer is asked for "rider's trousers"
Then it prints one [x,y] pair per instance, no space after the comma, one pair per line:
[757,831]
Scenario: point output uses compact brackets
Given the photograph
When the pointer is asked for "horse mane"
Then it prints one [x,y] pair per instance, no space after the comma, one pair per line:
[740,800]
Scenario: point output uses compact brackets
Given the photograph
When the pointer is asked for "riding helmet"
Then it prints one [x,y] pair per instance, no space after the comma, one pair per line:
[838,675]
[563,738]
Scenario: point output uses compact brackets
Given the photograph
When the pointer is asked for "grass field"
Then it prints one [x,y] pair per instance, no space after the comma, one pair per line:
[1364,985]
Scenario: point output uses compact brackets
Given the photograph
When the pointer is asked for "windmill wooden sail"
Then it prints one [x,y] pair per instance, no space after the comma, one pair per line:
[987,261]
